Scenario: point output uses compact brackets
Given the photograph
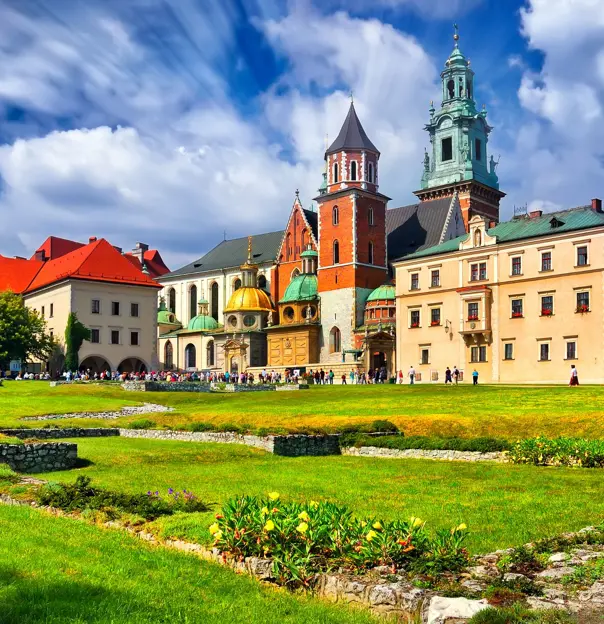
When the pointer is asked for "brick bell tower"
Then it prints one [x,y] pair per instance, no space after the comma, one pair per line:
[458,158]
[352,236]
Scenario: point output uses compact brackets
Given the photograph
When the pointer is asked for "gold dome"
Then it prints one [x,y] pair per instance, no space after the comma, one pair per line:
[249,298]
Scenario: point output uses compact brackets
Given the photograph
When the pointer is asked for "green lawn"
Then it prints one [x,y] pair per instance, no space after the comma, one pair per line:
[57,570]
[503,505]
[500,411]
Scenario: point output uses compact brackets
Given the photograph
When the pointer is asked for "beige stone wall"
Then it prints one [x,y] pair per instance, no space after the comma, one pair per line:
[495,326]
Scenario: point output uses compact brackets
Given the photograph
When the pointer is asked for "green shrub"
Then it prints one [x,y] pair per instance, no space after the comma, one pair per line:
[142,423]
[481,445]
[81,496]
[305,539]
[519,614]
[200,427]
[562,451]
[376,426]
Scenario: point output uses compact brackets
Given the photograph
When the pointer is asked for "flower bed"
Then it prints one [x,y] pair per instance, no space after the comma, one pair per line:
[304,540]
[561,451]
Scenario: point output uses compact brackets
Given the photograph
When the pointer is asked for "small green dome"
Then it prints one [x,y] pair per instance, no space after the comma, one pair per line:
[309,253]
[385,291]
[302,288]
[164,316]
[201,322]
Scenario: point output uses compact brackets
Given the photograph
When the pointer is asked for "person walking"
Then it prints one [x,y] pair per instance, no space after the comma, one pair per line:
[456,374]
[448,376]
[475,377]
[331,376]
[351,376]
[574,376]
[322,374]
[411,375]
[400,376]
[344,379]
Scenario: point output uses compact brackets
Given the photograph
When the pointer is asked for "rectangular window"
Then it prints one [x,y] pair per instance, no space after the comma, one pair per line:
[447,149]
[134,338]
[425,356]
[544,351]
[571,350]
[478,354]
[517,308]
[414,281]
[583,301]
[95,306]
[95,336]
[52,310]
[474,273]
[508,351]
[134,309]
[115,308]
[435,279]
[115,336]
[546,261]
[473,311]
[547,305]
[42,311]
[517,265]
[414,318]
[478,149]
[582,255]
[435,316]
[483,271]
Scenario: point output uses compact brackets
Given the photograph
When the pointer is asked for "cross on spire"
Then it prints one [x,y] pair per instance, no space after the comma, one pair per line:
[456,35]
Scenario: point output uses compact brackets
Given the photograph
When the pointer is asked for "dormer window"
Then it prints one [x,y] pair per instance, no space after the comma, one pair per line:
[556,223]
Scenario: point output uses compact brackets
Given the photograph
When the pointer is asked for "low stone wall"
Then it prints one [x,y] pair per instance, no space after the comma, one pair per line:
[468,456]
[55,433]
[289,387]
[39,457]
[220,386]
[166,386]
[306,445]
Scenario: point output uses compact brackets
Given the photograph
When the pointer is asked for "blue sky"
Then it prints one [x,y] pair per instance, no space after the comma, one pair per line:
[172,121]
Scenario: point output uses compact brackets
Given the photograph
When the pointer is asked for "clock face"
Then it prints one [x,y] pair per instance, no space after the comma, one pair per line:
[472,325]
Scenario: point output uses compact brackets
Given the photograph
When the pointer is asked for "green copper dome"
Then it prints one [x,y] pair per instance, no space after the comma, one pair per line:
[164,316]
[385,291]
[202,322]
[302,288]
[309,253]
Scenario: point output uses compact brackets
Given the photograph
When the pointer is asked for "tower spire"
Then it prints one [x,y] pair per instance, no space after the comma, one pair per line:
[456,34]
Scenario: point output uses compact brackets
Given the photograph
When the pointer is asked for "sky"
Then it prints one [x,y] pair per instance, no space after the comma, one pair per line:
[179,122]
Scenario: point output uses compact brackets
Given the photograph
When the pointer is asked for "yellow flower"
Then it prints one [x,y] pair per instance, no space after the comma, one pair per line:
[462,527]
[304,516]
[214,528]
[363,523]
[302,527]
[417,522]
[218,535]
[377,525]
[273,496]
[269,526]
[264,511]
[370,535]
[313,504]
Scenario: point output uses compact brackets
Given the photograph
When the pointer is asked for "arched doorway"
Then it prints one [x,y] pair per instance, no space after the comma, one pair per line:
[379,359]
[168,355]
[96,364]
[132,365]
[335,340]
[190,356]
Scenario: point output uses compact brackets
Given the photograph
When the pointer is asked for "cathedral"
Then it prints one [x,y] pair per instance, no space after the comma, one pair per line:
[321,292]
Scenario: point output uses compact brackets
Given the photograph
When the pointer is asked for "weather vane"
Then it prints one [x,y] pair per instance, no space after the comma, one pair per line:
[456,35]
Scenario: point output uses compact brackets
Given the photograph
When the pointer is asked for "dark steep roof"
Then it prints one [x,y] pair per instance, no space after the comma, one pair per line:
[415,227]
[233,253]
[352,135]
[313,221]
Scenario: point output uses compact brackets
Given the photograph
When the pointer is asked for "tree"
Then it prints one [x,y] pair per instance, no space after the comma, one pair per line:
[22,331]
[75,334]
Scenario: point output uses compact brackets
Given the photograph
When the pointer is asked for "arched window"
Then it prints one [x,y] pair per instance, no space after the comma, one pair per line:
[288,246]
[336,178]
[353,170]
[451,89]
[190,356]
[304,238]
[214,299]
[461,87]
[262,282]
[172,300]
[335,215]
[477,238]
[192,301]
[370,252]
[370,169]
[370,216]
[168,355]
[469,89]
[210,354]
[295,273]
[335,340]
[336,252]
[236,284]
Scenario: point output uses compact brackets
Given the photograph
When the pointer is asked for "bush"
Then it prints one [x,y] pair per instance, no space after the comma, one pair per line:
[200,427]
[376,426]
[80,496]
[142,423]
[481,445]
[518,614]
[562,451]
[305,539]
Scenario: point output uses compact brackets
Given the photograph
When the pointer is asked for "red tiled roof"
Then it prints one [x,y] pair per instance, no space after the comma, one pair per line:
[98,261]
[55,247]
[17,273]
[153,261]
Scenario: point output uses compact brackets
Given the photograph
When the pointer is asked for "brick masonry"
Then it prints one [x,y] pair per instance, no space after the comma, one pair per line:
[43,457]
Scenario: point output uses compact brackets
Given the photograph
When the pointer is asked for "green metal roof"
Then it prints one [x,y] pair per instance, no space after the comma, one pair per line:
[522,228]
[309,253]
[385,291]
[164,316]
[201,322]
[302,288]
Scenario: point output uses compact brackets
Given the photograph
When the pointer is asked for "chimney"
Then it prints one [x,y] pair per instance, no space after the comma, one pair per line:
[139,251]
[492,224]
[117,248]
[92,239]
[596,204]
[41,255]
[535,213]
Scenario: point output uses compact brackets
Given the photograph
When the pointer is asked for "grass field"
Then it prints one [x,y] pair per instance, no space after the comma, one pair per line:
[498,411]
[57,570]
[503,505]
